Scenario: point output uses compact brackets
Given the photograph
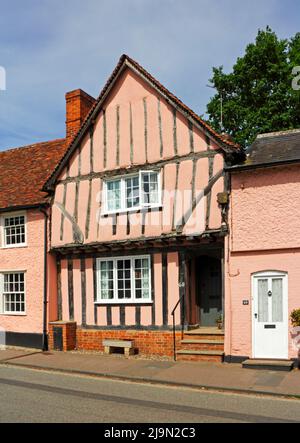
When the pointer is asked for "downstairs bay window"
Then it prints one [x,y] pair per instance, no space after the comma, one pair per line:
[124,280]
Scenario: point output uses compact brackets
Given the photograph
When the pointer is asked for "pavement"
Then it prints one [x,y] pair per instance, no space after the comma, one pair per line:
[197,375]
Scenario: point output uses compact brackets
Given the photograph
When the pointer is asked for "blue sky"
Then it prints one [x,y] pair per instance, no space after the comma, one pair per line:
[49,47]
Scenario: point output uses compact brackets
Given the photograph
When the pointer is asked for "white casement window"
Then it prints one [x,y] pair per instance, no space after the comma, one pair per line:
[12,291]
[13,230]
[124,280]
[132,192]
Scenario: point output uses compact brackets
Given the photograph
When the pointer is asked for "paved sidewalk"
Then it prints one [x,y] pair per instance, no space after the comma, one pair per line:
[193,374]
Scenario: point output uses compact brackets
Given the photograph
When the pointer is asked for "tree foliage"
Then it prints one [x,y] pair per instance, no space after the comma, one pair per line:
[257,95]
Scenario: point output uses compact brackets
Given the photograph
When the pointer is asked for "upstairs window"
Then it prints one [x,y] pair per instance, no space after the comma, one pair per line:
[132,192]
[14,230]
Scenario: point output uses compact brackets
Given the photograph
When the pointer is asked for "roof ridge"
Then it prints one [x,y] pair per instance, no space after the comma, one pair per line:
[182,104]
[163,90]
[278,133]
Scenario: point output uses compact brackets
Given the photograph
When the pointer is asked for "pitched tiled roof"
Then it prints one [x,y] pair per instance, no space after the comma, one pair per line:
[23,171]
[126,61]
[272,149]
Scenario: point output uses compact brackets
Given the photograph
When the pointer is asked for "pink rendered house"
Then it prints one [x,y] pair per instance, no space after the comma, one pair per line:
[262,251]
[138,222]
[27,295]
[150,228]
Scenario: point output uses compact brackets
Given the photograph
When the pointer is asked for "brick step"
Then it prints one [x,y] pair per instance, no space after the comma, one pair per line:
[201,336]
[194,355]
[202,345]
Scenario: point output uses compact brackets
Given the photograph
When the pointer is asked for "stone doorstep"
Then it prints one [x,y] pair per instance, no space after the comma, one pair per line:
[271,365]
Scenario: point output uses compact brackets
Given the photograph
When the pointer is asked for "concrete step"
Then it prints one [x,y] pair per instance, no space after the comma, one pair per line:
[204,355]
[269,365]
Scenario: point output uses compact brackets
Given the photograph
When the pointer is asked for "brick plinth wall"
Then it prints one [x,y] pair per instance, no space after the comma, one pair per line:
[148,343]
[68,332]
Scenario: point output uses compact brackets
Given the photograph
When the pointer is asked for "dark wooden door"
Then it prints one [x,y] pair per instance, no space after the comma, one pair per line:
[209,290]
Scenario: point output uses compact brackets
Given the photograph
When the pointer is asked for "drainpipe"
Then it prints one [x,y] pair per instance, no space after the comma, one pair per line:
[45,303]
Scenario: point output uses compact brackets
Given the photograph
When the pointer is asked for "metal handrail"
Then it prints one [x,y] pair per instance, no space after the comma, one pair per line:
[174,326]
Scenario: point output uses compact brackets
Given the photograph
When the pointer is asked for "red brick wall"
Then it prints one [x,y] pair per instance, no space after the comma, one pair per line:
[159,343]
[148,343]
[69,335]
[78,104]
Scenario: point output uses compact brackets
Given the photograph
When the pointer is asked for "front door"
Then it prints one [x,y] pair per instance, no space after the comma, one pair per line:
[270,316]
[209,274]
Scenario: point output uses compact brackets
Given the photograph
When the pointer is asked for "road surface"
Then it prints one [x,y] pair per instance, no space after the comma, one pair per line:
[47,397]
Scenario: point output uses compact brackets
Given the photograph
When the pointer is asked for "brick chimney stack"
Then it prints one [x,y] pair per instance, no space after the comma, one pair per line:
[78,104]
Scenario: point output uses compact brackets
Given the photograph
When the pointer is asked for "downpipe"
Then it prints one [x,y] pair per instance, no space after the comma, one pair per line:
[45,297]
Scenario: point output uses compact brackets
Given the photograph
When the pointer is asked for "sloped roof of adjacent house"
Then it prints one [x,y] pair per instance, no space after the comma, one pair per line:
[125,61]
[24,170]
[272,149]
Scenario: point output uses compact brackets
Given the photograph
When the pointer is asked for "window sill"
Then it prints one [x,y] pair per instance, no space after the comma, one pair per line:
[13,314]
[138,209]
[14,246]
[120,302]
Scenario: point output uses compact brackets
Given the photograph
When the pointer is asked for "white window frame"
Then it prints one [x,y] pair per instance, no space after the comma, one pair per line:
[115,300]
[142,205]
[2,304]
[5,216]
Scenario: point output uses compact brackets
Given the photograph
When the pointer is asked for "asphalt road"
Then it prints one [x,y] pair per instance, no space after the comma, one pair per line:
[45,397]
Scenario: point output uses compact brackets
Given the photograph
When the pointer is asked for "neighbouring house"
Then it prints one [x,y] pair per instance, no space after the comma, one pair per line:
[139,222]
[28,283]
[263,250]
[24,210]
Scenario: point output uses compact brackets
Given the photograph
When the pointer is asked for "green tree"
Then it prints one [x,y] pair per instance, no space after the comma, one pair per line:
[257,95]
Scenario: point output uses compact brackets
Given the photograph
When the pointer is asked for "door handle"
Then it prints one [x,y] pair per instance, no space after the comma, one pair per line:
[255,316]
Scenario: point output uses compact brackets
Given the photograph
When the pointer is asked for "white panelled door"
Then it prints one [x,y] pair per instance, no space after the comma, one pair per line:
[270,315]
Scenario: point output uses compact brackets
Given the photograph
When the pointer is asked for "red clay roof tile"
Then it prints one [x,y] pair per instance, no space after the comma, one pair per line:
[24,170]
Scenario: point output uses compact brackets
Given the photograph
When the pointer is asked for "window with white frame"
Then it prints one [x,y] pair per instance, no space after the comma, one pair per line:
[131,192]
[124,280]
[12,293]
[14,230]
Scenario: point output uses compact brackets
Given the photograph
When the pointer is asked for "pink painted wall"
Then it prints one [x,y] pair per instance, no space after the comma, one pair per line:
[266,209]
[31,260]
[265,222]
[129,96]
[130,311]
